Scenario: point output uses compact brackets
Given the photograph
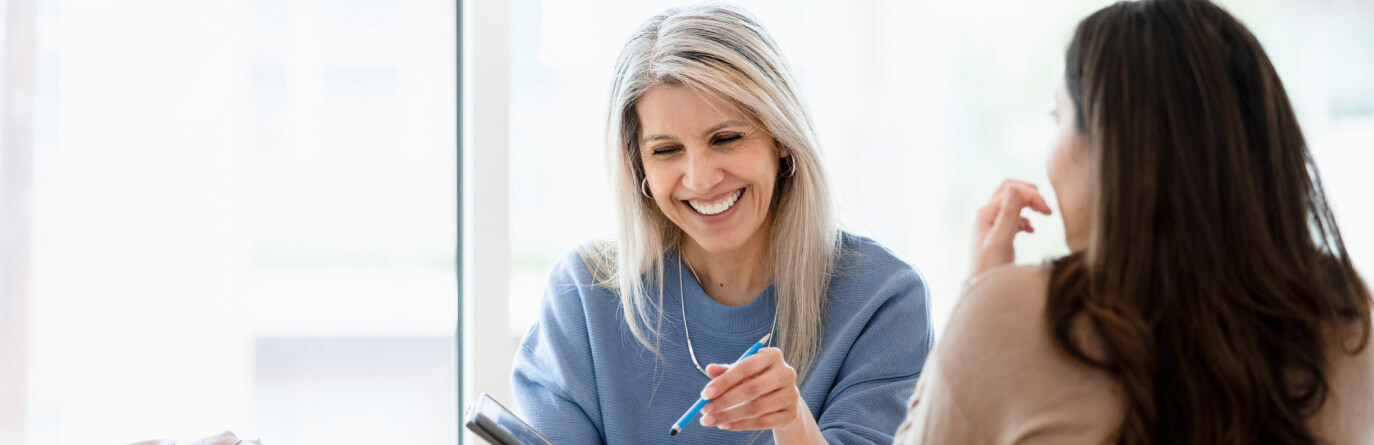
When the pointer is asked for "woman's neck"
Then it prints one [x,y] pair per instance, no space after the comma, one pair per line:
[732,278]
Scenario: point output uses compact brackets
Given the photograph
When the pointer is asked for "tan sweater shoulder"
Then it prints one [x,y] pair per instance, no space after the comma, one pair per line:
[1348,415]
[997,377]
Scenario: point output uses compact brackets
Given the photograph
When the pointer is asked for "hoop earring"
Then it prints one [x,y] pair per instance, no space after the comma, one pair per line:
[644,188]
[792,167]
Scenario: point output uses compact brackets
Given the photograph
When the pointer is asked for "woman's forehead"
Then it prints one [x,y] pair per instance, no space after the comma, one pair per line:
[682,109]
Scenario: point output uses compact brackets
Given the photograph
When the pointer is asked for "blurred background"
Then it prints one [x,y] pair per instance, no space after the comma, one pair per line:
[923,107]
[242,215]
[235,215]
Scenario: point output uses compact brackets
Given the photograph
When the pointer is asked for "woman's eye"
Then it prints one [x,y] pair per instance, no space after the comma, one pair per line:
[665,150]
[726,139]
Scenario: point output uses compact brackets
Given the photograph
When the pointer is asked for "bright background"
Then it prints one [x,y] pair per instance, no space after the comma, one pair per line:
[923,107]
[243,218]
[242,212]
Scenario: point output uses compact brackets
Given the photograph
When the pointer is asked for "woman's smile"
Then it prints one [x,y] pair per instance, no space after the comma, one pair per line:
[716,205]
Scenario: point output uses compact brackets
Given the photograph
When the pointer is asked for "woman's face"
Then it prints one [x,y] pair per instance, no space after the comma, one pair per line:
[709,168]
[1069,172]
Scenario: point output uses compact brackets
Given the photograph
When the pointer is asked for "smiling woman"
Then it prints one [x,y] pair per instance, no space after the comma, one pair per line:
[713,175]
[717,171]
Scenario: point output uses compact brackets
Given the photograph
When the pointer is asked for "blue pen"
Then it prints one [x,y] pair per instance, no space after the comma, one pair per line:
[691,413]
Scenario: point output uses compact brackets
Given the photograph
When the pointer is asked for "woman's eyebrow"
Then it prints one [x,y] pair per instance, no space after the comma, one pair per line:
[718,127]
[654,137]
[713,129]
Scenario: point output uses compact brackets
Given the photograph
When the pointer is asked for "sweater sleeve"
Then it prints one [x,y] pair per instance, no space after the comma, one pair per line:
[553,379]
[867,402]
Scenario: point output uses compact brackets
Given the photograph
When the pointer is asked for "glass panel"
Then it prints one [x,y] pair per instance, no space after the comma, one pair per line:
[244,220]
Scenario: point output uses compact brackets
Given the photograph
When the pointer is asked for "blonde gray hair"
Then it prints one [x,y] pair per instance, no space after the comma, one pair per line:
[721,51]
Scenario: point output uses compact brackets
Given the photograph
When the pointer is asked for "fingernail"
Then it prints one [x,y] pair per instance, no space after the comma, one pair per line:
[708,421]
[708,393]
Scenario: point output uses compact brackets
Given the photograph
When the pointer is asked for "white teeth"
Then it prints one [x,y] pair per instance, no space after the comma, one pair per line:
[716,208]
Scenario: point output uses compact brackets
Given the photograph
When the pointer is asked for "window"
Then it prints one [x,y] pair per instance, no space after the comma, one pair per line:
[243,218]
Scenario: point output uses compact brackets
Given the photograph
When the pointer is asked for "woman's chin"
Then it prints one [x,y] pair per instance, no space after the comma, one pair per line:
[718,243]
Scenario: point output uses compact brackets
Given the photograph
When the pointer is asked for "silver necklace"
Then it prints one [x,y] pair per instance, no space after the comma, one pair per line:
[682,304]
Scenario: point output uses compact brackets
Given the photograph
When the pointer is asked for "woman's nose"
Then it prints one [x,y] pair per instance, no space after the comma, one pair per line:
[703,172]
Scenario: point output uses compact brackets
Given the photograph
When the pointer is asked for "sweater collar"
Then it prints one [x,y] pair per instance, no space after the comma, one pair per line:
[757,316]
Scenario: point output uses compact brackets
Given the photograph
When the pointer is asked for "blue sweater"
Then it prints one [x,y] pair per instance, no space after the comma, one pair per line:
[581,378]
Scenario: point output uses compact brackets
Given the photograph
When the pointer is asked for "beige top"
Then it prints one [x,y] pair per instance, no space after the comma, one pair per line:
[997,377]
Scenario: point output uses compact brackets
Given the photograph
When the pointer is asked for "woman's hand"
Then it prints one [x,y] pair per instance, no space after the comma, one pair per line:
[1000,220]
[759,392]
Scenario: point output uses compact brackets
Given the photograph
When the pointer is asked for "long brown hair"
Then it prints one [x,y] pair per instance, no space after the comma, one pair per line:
[1214,269]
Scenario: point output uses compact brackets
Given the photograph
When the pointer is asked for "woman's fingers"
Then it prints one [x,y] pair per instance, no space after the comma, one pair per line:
[987,215]
[1010,181]
[1036,202]
[739,372]
[1020,182]
[1000,220]
[775,401]
[750,379]
[1014,198]
[748,391]
[771,420]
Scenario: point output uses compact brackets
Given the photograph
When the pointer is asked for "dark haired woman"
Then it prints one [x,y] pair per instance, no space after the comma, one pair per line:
[1208,299]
